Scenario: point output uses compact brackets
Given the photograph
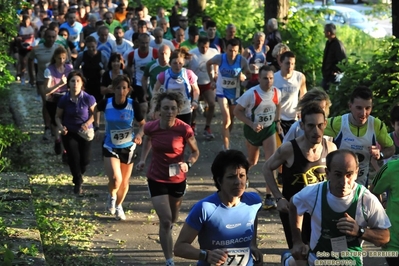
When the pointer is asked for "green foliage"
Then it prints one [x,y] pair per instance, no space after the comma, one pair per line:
[154,5]
[380,73]
[246,16]
[304,34]
[9,135]
[8,22]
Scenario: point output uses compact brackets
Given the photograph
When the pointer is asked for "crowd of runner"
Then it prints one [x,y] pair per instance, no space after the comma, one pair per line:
[158,72]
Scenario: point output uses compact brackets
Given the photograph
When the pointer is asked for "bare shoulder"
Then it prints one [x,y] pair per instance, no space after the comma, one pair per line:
[331,146]
[285,150]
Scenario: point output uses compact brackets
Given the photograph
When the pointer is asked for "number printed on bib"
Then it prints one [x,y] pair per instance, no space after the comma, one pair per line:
[121,136]
[237,257]
[229,83]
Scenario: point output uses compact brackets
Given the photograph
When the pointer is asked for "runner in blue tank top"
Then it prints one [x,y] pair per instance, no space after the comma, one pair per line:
[120,142]
[228,84]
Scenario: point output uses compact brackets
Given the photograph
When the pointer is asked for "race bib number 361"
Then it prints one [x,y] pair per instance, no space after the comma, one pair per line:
[121,136]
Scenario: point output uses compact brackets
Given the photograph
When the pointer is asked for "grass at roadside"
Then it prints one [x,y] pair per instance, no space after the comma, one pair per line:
[66,226]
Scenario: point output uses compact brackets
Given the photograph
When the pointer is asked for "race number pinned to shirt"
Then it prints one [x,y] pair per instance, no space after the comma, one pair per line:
[121,136]
[229,83]
[237,257]
[339,244]
[174,169]
[265,119]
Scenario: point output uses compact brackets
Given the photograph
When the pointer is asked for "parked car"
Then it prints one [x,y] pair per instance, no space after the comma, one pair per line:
[347,16]
[331,2]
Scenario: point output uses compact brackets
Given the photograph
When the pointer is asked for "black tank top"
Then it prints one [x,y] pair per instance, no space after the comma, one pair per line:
[91,68]
[302,172]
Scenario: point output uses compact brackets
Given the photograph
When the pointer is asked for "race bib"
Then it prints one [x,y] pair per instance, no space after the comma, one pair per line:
[121,136]
[237,257]
[265,118]
[229,83]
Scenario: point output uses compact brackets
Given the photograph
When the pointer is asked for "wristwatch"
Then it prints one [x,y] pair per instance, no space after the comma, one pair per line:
[189,165]
[360,232]
[381,156]
[203,255]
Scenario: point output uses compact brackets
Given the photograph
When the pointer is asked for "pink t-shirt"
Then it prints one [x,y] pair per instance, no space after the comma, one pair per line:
[167,149]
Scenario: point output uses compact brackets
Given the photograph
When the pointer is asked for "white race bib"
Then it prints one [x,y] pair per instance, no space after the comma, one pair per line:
[265,119]
[237,257]
[229,83]
[121,136]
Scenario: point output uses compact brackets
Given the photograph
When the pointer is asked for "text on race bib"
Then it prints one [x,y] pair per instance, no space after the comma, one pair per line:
[237,257]
[229,83]
[121,136]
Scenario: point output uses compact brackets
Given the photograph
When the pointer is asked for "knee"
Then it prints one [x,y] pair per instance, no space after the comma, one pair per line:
[166,224]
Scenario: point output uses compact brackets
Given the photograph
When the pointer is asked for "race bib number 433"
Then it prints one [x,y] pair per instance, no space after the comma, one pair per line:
[121,136]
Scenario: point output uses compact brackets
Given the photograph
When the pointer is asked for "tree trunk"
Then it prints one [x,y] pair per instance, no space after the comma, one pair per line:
[395,18]
[275,9]
[195,9]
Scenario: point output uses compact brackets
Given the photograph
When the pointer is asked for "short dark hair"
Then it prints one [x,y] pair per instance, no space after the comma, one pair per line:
[361,92]
[266,69]
[203,40]
[115,57]
[119,79]
[225,159]
[135,36]
[210,23]
[142,23]
[76,73]
[287,54]
[310,109]
[330,27]
[340,152]
[90,39]
[233,42]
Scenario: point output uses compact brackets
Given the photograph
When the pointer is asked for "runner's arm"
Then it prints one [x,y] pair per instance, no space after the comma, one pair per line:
[183,246]
[192,143]
[239,112]
[216,60]
[296,221]
[303,89]
[273,163]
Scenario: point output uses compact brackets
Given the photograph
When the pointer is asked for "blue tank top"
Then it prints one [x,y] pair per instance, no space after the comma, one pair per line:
[257,57]
[118,125]
[228,78]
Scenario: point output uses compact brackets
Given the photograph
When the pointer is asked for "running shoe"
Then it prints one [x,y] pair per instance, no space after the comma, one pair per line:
[269,203]
[47,134]
[287,259]
[111,201]
[57,147]
[208,134]
[170,263]
[119,213]
[77,189]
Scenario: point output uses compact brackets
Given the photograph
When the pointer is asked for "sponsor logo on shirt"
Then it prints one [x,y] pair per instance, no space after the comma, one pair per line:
[232,226]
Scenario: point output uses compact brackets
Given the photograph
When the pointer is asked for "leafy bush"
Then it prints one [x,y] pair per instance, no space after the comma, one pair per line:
[380,73]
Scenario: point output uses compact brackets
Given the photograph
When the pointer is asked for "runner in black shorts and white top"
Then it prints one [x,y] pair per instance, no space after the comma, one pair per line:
[120,141]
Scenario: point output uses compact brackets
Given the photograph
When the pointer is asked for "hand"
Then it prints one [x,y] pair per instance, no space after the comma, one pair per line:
[242,77]
[140,166]
[63,130]
[194,105]
[63,80]
[213,84]
[347,225]
[283,205]
[279,128]
[183,167]
[300,251]
[217,257]
[257,127]
[257,255]
[84,126]
[375,152]
[253,67]
[137,139]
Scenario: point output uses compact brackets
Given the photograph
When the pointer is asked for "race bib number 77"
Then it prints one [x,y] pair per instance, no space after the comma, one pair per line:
[237,257]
